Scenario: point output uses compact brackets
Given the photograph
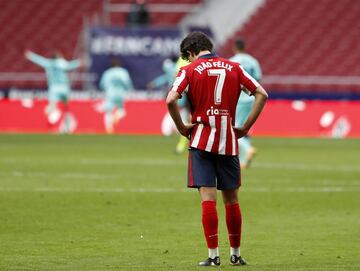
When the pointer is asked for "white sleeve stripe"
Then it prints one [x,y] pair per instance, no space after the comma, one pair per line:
[223,130]
[178,81]
[196,140]
[212,133]
[256,83]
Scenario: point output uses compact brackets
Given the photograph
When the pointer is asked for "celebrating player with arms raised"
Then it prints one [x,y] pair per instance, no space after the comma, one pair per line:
[213,85]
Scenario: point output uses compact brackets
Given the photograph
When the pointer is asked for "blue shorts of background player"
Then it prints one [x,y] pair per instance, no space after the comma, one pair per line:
[206,169]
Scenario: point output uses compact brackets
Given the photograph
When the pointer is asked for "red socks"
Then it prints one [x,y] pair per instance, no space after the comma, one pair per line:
[210,223]
[233,223]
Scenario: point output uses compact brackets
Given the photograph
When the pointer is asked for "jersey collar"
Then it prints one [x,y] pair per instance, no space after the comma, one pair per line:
[211,55]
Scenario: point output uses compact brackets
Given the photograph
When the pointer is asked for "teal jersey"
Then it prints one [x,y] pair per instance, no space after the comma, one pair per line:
[183,101]
[250,65]
[246,102]
[167,78]
[56,70]
[116,82]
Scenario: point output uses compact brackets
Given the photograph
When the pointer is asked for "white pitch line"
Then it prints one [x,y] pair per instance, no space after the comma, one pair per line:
[334,189]
[76,175]
[64,175]
[100,162]
[183,163]
[313,167]
[105,176]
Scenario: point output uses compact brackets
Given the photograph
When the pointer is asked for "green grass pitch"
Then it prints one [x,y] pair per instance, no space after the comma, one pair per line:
[121,203]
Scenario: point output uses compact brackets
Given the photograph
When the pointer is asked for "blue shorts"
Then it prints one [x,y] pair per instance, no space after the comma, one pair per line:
[207,169]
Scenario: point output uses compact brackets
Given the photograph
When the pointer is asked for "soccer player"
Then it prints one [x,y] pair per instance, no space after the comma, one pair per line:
[116,82]
[184,111]
[165,80]
[170,67]
[251,66]
[56,69]
[213,85]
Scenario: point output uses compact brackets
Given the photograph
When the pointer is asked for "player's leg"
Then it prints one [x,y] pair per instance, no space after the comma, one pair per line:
[182,144]
[167,125]
[69,122]
[64,98]
[183,141]
[229,180]
[251,151]
[201,174]
[210,223]
[234,224]
[51,111]
[246,151]
[243,148]
[119,111]
[108,116]
[243,109]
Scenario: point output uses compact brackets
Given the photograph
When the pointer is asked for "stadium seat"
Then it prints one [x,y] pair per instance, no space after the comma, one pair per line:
[43,26]
[304,38]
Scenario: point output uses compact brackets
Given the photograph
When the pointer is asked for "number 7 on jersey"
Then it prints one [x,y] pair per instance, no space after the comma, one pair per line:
[220,74]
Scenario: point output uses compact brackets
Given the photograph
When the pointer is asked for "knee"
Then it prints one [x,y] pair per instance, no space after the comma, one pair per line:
[231,201]
[208,194]
[208,197]
[230,197]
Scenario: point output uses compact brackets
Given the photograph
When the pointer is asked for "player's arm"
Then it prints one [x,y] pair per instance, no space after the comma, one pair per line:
[158,82]
[179,86]
[174,112]
[37,59]
[73,64]
[260,95]
[260,100]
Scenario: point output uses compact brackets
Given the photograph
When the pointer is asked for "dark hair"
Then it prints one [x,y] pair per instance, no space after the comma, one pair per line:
[115,62]
[194,43]
[56,54]
[174,58]
[240,44]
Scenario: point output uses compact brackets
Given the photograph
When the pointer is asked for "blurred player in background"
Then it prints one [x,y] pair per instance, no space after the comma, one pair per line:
[183,104]
[246,102]
[116,82]
[56,69]
[165,80]
[138,15]
[170,67]
[213,86]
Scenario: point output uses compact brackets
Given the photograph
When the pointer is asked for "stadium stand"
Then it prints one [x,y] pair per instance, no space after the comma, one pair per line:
[162,12]
[43,26]
[305,45]
[234,13]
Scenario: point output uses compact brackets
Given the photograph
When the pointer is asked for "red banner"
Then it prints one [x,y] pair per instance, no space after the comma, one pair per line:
[280,118]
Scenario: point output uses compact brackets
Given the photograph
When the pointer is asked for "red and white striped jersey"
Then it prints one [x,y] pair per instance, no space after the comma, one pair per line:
[213,85]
